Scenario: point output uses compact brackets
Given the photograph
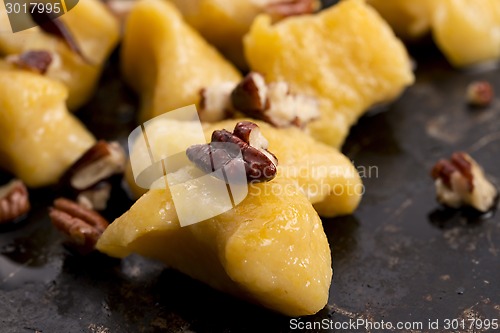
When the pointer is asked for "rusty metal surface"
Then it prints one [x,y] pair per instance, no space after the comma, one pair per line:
[398,258]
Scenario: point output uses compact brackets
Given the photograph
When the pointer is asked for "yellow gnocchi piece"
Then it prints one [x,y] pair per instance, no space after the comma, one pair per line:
[96,32]
[39,137]
[270,249]
[346,56]
[465,31]
[167,61]
[327,178]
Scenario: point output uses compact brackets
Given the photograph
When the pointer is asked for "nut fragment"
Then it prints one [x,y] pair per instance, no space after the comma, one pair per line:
[120,8]
[100,162]
[14,201]
[461,181]
[36,61]
[51,24]
[250,133]
[248,142]
[285,8]
[83,226]
[273,103]
[215,102]
[480,93]
[96,197]
[250,95]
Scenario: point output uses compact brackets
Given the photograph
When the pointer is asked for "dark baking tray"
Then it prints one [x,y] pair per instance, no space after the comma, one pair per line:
[399,258]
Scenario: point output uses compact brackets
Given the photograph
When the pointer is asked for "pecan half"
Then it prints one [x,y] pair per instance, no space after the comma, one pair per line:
[461,181]
[99,163]
[215,102]
[285,8]
[480,93]
[14,201]
[36,61]
[273,103]
[248,144]
[83,226]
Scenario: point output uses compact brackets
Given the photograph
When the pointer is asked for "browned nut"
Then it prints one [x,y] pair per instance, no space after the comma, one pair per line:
[36,61]
[215,102]
[250,95]
[14,201]
[96,197]
[57,28]
[99,163]
[273,103]
[83,226]
[250,132]
[480,93]
[460,181]
[260,164]
[285,8]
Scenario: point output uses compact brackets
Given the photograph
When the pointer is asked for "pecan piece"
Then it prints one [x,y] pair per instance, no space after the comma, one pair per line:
[480,94]
[96,197]
[14,201]
[250,95]
[461,181]
[273,103]
[99,163]
[51,24]
[215,102]
[250,133]
[120,8]
[36,61]
[285,8]
[83,226]
[247,142]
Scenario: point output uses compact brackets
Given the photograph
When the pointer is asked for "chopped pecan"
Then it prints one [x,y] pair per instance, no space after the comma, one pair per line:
[480,93]
[248,144]
[445,169]
[100,162]
[215,102]
[273,103]
[96,197]
[285,8]
[250,133]
[36,61]
[461,181]
[51,24]
[83,226]
[250,95]
[14,201]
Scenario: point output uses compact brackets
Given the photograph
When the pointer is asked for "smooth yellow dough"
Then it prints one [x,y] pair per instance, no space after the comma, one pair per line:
[271,249]
[39,137]
[346,56]
[96,32]
[327,177]
[166,61]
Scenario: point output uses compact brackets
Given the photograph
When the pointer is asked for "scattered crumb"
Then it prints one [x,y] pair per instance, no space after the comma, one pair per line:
[445,277]
[480,94]
[93,328]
